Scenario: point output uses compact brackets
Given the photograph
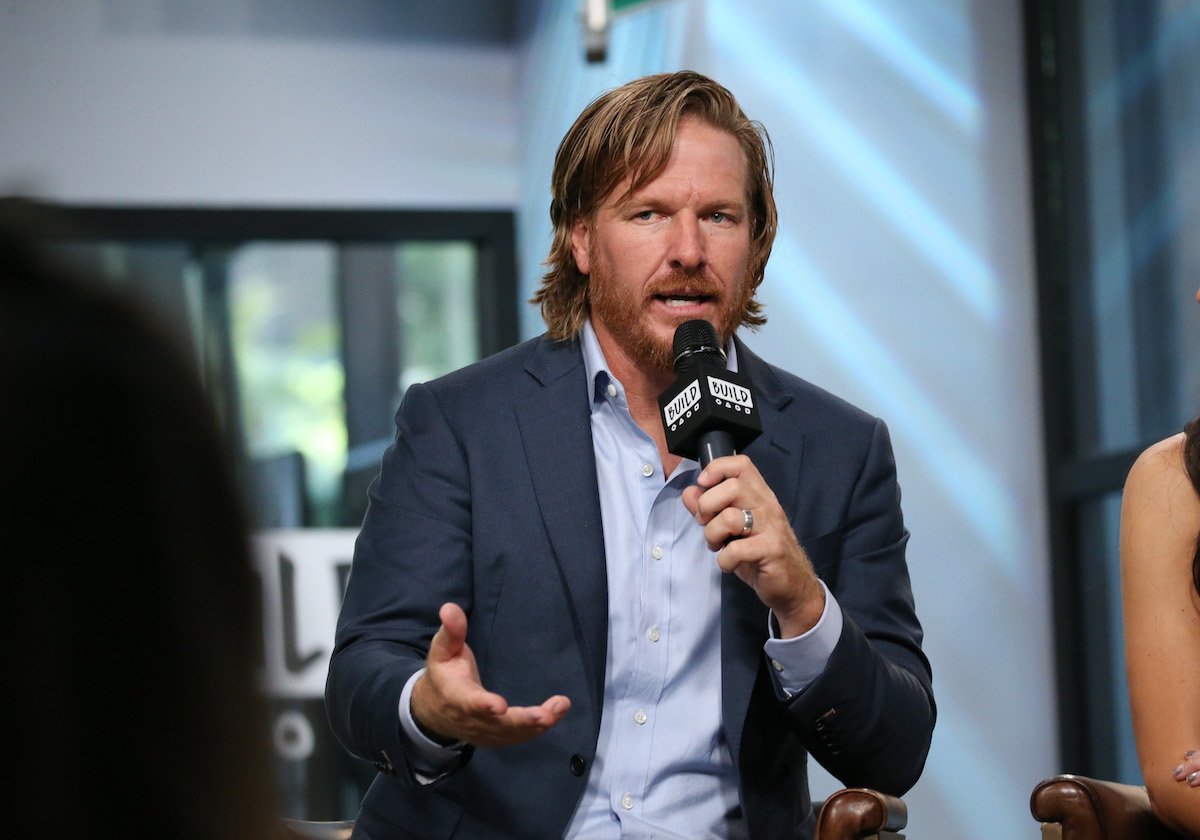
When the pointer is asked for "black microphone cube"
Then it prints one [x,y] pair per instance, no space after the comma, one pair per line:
[707,397]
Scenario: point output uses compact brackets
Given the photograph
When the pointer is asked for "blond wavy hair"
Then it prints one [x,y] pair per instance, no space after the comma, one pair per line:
[628,132]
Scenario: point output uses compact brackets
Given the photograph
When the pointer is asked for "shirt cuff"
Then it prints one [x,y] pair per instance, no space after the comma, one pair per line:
[429,759]
[796,662]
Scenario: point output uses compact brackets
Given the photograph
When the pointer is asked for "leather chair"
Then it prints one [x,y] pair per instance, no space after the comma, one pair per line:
[1073,807]
[860,814]
[290,829]
[848,814]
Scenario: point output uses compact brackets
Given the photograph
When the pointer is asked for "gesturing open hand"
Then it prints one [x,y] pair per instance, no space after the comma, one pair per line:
[450,704]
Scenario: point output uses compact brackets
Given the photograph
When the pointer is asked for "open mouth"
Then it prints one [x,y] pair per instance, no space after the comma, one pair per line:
[682,299]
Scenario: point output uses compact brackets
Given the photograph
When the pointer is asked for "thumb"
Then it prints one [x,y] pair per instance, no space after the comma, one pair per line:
[451,637]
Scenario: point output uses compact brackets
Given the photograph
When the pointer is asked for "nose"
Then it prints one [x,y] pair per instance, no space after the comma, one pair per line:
[687,244]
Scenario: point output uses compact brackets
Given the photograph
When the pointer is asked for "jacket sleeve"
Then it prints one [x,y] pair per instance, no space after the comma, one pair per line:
[411,556]
[868,718]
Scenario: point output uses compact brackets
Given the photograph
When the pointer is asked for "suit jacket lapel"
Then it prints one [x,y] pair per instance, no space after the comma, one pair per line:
[776,453]
[555,422]
[777,450]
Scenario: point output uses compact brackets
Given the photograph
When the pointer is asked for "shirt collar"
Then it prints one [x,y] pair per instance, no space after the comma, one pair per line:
[596,366]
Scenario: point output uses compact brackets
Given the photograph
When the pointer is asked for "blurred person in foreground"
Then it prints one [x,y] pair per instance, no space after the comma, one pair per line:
[1160,588]
[137,707]
[556,627]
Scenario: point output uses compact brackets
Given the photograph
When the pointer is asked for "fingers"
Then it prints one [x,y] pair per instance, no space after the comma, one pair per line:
[723,489]
[755,549]
[1189,770]
[753,538]
[465,693]
[514,725]
[723,493]
[720,469]
[548,713]
[728,560]
[764,522]
[724,482]
[450,702]
[518,724]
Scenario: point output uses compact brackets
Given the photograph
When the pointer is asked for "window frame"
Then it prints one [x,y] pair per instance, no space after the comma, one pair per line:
[209,231]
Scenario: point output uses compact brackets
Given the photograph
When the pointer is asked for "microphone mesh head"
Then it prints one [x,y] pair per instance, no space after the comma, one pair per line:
[696,338]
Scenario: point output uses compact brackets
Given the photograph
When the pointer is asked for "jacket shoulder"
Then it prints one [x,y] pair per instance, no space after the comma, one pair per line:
[536,359]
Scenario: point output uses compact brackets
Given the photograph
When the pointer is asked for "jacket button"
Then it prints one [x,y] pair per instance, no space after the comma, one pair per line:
[383,763]
[578,765]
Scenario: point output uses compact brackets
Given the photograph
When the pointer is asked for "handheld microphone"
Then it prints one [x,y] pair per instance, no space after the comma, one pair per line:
[709,411]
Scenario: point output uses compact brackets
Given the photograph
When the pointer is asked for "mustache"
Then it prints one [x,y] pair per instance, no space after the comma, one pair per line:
[693,283]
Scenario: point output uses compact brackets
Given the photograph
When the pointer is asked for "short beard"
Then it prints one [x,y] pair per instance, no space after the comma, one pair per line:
[623,316]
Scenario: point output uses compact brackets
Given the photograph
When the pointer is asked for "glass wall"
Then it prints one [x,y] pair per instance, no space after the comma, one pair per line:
[1115,88]
[307,328]
[287,336]
[1140,97]
[308,342]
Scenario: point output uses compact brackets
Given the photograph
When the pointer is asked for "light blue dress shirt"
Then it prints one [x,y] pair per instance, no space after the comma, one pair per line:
[662,767]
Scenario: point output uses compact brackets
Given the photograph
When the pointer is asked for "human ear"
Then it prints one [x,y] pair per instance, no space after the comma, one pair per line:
[580,242]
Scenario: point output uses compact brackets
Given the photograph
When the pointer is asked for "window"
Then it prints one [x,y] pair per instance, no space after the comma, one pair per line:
[1114,117]
[307,327]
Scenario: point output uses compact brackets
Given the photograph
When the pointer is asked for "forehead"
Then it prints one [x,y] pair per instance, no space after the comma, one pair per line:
[703,158]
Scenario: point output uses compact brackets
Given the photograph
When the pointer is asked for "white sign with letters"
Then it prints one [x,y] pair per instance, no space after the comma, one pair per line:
[304,573]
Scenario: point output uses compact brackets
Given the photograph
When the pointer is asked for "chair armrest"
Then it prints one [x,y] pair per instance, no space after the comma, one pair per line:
[290,829]
[1096,809]
[853,813]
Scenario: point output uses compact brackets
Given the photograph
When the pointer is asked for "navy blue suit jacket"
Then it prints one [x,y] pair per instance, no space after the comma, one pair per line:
[488,498]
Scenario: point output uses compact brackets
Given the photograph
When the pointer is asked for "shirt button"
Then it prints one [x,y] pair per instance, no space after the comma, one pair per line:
[656,552]
[647,470]
[639,717]
[776,664]
[654,635]
[612,390]
[627,802]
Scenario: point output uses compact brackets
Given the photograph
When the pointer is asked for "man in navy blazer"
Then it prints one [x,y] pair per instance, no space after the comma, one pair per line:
[553,626]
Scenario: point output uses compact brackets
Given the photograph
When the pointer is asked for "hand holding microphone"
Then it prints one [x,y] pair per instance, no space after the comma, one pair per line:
[767,557]
[709,414]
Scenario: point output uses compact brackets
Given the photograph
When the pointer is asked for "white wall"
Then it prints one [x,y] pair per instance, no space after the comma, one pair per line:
[902,278]
[236,102]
